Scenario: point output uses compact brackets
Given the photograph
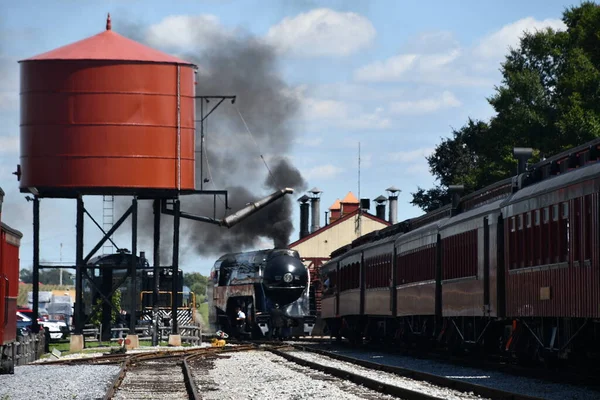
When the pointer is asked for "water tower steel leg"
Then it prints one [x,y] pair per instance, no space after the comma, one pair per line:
[175,266]
[79,265]
[133,266]
[156,257]
[36,263]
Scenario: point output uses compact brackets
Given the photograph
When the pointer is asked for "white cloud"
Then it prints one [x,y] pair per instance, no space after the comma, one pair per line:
[424,106]
[322,32]
[497,44]
[9,144]
[9,84]
[186,31]
[325,109]
[437,58]
[337,113]
[410,156]
[309,142]
[327,171]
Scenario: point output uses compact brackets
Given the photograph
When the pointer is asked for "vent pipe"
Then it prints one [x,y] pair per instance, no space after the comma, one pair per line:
[380,207]
[455,191]
[303,216]
[393,198]
[315,211]
[522,154]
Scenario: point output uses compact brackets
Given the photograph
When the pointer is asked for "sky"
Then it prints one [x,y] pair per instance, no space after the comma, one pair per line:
[395,76]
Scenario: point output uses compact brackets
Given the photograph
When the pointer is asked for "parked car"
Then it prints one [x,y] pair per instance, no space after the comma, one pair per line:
[58,329]
[23,321]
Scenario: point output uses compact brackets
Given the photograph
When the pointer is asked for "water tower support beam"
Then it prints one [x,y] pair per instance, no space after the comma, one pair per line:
[175,266]
[79,265]
[133,266]
[36,263]
[156,286]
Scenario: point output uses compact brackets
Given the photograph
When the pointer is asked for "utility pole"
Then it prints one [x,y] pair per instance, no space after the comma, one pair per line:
[60,270]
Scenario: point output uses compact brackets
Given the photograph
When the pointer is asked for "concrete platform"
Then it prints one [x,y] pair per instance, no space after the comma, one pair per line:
[76,343]
[132,342]
[175,340]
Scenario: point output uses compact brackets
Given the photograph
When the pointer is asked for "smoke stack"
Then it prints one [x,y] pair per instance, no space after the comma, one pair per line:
[455,191]
[522,154]
[303,216]
[1,201]
[315,201]
[380,207]
[393,198]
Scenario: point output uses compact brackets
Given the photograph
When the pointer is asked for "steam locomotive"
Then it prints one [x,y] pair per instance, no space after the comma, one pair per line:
[258,282]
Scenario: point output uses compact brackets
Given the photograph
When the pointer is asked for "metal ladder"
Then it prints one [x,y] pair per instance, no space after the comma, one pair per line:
[108,219]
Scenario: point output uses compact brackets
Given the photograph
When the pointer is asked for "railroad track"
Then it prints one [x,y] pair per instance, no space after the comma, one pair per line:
[390,388]
[155,378]
[164,374]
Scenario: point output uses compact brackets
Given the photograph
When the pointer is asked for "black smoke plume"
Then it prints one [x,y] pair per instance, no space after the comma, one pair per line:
[244,66]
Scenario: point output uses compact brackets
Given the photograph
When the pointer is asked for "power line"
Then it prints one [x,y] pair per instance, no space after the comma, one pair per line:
[256,144]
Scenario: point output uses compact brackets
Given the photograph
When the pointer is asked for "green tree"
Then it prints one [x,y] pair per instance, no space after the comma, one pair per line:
[26,275]
[197,284]
[96,317]
[548,100]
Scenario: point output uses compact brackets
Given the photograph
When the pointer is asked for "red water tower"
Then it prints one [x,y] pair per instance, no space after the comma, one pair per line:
[106,114]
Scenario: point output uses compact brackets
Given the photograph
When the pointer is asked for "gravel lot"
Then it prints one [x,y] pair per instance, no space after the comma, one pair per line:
[507,382]
[57,382]
[263,375]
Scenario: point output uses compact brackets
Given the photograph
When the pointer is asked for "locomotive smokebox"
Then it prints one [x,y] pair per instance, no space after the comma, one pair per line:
[106,114]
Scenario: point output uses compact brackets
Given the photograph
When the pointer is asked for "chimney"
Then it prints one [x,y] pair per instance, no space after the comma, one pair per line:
[315,211]
[380,207]
[1,201]
[303,216]
[393,198]
[365,205]
[455,191]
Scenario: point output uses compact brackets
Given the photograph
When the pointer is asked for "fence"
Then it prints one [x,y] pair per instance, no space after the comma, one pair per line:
[29,347]
[189,333]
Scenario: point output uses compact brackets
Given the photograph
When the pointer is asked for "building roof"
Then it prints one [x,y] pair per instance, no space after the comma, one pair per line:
[108,46]
[350,199]
[337,222]
[336,205]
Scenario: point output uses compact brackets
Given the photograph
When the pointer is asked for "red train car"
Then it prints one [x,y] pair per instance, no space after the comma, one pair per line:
[514,267]
[552,270]
[9,289]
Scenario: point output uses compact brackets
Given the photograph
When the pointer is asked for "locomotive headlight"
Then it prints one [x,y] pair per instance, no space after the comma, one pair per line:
[287,278]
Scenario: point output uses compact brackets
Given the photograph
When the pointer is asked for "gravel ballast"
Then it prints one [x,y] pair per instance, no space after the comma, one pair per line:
[58,382]
[265,376]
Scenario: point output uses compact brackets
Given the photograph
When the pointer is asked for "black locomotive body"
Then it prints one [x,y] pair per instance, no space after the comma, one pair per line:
[262,283]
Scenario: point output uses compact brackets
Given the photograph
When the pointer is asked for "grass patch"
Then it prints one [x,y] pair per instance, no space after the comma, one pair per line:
[92,347]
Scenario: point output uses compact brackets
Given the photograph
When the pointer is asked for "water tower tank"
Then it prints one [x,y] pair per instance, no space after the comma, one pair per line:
[106,115]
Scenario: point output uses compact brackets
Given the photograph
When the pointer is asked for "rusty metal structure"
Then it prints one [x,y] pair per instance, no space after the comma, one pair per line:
[109,116]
